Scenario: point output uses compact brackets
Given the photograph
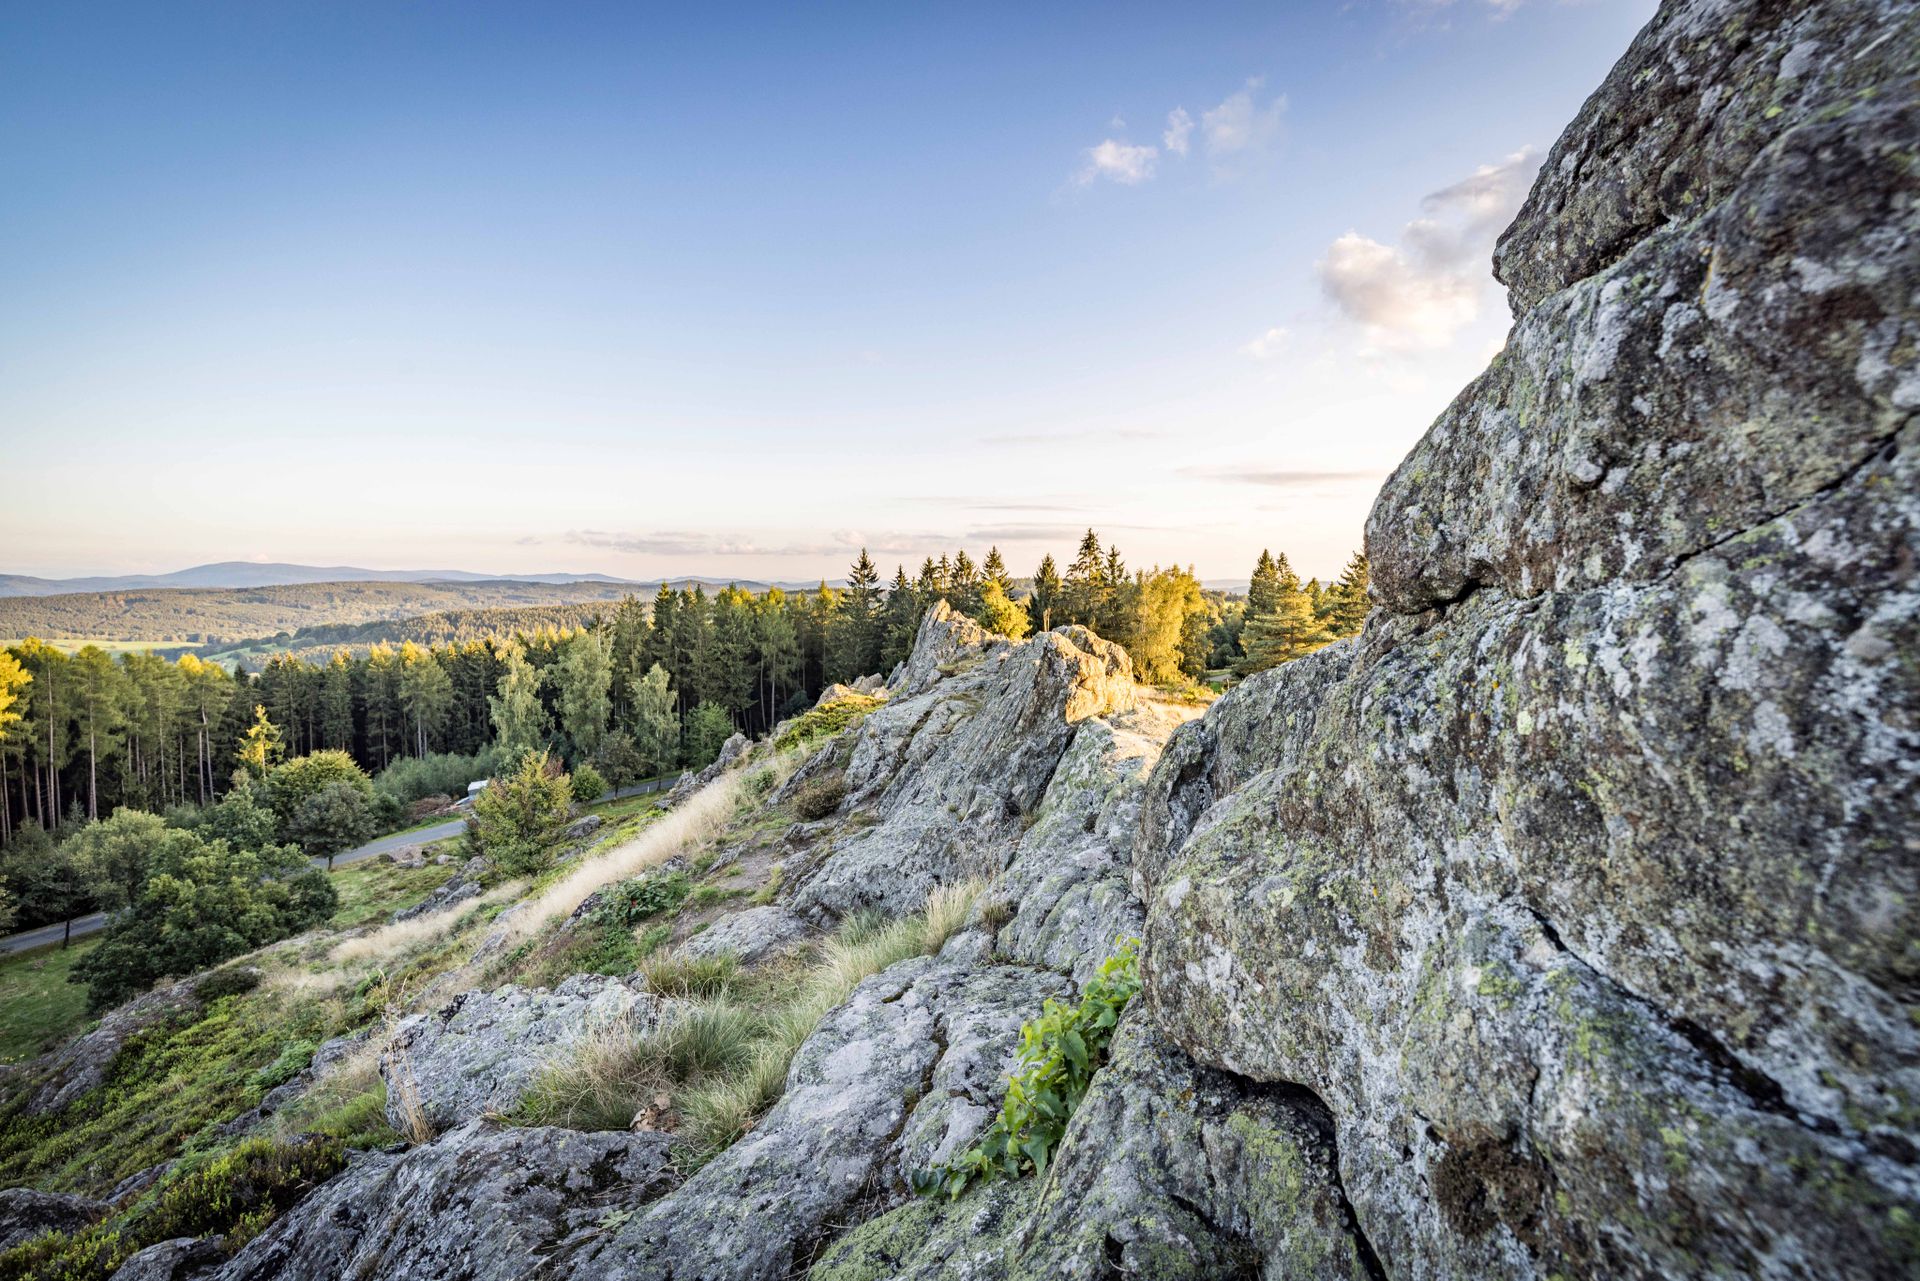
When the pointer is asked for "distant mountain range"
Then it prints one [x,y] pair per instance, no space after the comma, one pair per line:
[246,573]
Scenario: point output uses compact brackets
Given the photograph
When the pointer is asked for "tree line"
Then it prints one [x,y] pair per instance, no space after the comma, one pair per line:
[635,692]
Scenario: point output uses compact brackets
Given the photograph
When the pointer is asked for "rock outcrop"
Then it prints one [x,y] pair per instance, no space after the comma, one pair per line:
[906,1070]
[1583,888]
[485,1203]
[477,1054]
[1561,924]
[25,1214]
[949,771]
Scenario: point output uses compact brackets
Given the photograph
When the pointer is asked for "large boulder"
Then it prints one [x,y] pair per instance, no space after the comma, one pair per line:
[477,1054]
[1582,889]
[483,1203]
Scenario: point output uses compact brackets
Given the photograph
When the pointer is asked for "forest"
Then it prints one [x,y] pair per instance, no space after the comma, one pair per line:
[638,690]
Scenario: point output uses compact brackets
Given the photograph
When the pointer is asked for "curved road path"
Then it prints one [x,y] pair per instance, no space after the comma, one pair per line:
[85,925]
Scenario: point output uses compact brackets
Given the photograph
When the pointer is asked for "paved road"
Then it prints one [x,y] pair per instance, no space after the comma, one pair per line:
[85,925]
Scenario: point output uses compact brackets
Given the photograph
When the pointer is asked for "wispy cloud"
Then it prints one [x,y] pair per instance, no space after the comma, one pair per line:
[1073,437]
[1423,290]
[1279,479]
[1116,161]
[1267,345]
[1242,125]
[1179,130]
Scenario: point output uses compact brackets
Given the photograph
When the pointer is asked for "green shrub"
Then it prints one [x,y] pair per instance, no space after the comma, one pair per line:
[235,1194]
[231,981]
[819,797]
[289,785]
[518,820]
[1059,1053]
[588,785]
[821,722]
[293,1060]
[201,903]
[631,902]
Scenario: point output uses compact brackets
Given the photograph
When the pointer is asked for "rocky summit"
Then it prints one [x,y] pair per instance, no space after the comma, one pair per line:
[1562,924]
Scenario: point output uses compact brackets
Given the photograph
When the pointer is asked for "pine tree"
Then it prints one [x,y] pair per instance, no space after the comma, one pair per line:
[1084,590]
[426,694]
[994,570]
[1263,592]
[1046,595]
[585,678]
[854,639]
[1349,598]
[899,620]
[336,702]
[964,587]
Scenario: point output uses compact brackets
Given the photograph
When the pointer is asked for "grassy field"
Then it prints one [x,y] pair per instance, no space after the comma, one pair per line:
[38,1007]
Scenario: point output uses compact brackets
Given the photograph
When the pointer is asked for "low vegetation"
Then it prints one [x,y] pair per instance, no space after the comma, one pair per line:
[233,1195]
[1059,1053]
[715,1068]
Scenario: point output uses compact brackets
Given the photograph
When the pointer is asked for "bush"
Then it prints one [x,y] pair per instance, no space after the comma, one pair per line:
[291,784]
[819,722]
[335,818]
[1059,1053]
[202,902]
[819,797]
[235,1195]
[517,820]
[412,777]
[588,785]
[630,902]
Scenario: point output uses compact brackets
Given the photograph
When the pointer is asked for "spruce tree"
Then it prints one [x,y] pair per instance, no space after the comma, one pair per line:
[854,642]
[1046,595]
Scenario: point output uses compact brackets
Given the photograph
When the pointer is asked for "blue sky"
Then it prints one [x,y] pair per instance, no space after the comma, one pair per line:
[736,290]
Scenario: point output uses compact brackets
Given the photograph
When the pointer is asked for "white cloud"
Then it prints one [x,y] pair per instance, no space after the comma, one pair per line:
[1122,162]
[1241,125]
[1179,129]
[1422,291]
[1267,345]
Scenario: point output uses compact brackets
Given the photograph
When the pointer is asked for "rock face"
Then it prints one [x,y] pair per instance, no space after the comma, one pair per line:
[730,752]
[953,765]
[486,1203]
[25,1214]
[81,1064]
[1583,888]
[748,936]
[478,1053]
[907,1068]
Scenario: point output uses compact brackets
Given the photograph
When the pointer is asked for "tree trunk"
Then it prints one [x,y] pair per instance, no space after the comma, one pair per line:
[93,775]
[67,940]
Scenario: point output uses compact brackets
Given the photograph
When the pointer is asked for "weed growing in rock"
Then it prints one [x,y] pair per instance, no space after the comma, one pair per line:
[1059,1053]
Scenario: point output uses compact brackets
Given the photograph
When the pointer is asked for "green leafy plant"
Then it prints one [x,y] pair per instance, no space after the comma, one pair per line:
[1059,1053]
[630,902]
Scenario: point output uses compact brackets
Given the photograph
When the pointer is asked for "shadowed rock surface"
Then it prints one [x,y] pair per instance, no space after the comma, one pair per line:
[485,1203]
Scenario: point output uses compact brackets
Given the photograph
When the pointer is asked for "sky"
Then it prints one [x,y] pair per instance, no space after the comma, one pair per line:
[738,290]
